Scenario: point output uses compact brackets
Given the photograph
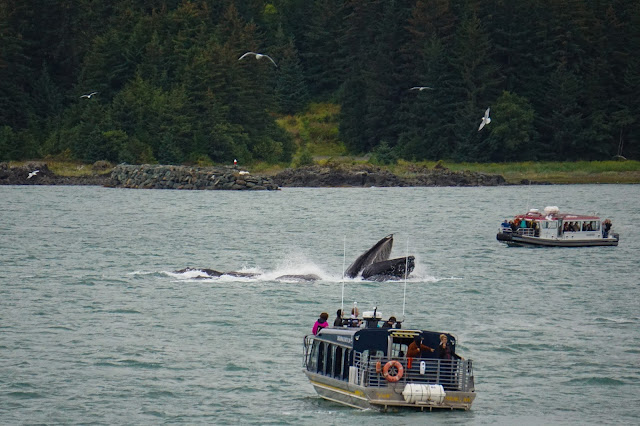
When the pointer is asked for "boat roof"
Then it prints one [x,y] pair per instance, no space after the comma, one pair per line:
[534,214]
[376,337]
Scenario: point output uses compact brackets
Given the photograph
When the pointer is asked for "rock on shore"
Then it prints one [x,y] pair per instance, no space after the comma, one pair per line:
[367,175]
[181,177]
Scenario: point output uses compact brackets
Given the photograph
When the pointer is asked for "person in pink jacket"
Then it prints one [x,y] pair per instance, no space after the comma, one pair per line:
[320,323]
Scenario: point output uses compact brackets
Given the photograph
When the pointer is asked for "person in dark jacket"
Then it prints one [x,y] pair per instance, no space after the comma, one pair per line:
[390,323]
[444,350]
[416,348]
[338,321]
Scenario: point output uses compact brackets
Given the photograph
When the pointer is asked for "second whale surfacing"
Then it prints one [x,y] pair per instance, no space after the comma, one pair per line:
[205,273]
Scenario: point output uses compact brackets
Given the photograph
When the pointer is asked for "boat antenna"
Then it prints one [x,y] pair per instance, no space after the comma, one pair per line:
[344,254]
[406,272]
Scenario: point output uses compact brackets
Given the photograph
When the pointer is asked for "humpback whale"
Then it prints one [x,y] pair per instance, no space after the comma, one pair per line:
[375,265]
[379,252]
[392,269]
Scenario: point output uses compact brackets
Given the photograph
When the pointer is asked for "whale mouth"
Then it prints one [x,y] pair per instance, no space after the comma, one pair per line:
[378,253]
[374,264]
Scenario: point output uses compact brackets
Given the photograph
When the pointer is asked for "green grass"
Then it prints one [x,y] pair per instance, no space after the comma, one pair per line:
[315,129]
[68,168]
[559,172]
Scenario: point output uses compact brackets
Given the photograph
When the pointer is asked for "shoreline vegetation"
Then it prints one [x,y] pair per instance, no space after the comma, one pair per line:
[582,172]
[319,149]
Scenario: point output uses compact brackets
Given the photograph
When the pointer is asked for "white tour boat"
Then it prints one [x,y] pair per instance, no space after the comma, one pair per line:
[365,365]
[552,228]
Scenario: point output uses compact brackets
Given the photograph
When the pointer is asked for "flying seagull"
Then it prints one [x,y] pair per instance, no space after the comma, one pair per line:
[258,56]
[485,119]
[32,174]
[421,88]
[89,95]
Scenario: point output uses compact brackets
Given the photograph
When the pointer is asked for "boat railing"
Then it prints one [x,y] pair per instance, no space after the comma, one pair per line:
[526,232]
[453,375]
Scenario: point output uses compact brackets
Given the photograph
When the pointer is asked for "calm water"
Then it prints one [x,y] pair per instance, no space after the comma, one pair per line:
[94,327]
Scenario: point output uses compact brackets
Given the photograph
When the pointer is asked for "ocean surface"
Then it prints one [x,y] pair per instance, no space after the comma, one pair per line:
[96,328]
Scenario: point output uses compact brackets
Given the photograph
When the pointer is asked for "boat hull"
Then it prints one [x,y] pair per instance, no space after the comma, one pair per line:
[522,240]
[382,398]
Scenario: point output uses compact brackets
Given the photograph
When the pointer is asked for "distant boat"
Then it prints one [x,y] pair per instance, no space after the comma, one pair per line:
[555,229]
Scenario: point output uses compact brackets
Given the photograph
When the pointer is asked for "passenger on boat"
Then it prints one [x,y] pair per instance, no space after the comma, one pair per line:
[416,348]
[444,350]
[354,321]
[320,323]
[391,323]
[523,224]
[606,227]
[505,224]
[338,321]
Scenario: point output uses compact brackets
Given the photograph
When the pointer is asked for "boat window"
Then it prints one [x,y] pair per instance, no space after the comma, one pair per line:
[321,351]
[398,350]
[595,225]
[345,364]
[313,357]
[550,224]
[337,366]
[329,364]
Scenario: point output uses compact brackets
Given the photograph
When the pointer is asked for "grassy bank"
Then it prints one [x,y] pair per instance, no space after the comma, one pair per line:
[559,172]
[580,172]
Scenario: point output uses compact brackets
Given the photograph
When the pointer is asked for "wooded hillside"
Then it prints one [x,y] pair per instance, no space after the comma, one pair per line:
[562,78]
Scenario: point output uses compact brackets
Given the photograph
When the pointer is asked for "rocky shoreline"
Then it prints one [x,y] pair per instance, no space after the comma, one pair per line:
[231,178]
[181,177]
[366,175]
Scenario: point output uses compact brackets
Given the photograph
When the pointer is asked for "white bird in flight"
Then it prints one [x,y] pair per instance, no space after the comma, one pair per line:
[485,119]
[32,174]
[258,56]
[89,95]
[421,88]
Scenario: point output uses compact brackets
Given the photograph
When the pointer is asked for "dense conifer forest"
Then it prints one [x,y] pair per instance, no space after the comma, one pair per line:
[562,78]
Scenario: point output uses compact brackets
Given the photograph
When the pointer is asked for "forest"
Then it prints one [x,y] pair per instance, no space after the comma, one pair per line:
[561,78]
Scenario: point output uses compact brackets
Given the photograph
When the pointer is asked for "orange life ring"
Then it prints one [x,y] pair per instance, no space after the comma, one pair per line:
[399,369]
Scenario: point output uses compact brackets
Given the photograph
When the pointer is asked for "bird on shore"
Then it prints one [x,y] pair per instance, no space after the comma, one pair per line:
[32,174]
[485,120]
[258,56]
[421,88]
[88,96]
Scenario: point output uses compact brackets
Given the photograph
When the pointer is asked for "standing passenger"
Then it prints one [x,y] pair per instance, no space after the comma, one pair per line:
[416,348]
[338,321]
[320,323]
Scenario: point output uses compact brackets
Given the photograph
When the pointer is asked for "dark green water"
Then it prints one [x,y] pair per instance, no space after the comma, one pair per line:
[94,327]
